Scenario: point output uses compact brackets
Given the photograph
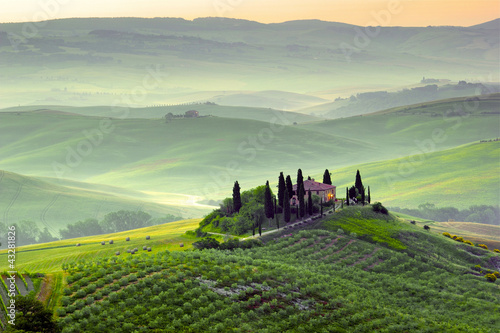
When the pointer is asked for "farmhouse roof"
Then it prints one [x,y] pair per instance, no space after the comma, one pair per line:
[311,185]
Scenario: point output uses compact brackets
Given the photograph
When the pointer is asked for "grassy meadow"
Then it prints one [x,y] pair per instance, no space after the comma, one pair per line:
[458,177]
[49,257]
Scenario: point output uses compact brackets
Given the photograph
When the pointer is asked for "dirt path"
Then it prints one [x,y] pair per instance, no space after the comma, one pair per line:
[22,287]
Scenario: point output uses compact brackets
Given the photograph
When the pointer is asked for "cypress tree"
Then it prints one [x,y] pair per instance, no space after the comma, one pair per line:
[302,206]
[353,192]
[289,186]
[300,179]
[369,199]
[359,184]
[277,221]
[268,203]
[309,203]
[363,197]
[347,196]
[286,206]
[281,188]
[326,178]
[236,197]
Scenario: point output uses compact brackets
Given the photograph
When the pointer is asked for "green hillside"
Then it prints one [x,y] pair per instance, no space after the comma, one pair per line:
[54,205]
[331,277]
[49,257]
[373,101]
[200,157]
[459,177]
[156,112]
[425,127]
[84,62]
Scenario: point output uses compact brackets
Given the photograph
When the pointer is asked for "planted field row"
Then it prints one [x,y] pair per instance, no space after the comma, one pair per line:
[283,286]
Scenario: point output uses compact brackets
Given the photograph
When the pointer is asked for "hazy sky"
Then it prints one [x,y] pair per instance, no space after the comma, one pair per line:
[367,12]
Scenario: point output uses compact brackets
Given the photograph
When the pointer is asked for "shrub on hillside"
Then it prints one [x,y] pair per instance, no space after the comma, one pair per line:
[491,277]
[459,239]
[497,274]
[426,227]
[206,243]
[378,208]
[445,234]
[497,250]
[468,242]
[483,246]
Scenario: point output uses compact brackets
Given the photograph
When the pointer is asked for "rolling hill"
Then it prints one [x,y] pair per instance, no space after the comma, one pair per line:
[449,178]
[138,62]
[370,102]
[157,112]
[52,203]
[337,274]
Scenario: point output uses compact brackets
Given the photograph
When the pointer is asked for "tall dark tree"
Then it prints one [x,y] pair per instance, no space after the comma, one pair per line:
[369,198]
[286,206]
[326,178]
[358,184]
[281,189]
[347,196]
[363,197]
[353,192]
[236,197]
[302,206]
[289,186]
[276,216]
[268,203]
[300,179]
[309,203]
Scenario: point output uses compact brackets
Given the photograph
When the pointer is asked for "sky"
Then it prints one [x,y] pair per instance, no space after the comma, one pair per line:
[364,13]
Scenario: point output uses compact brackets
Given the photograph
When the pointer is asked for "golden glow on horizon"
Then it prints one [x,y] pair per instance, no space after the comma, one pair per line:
[401,12]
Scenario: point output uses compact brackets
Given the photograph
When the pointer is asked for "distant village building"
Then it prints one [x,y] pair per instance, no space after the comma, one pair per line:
[192,114]
[325,191]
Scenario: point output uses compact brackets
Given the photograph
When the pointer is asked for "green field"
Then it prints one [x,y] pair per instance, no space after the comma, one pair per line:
[165,168]
[459,177]
[331,275]
[158,112]
[49,257]
[53,204]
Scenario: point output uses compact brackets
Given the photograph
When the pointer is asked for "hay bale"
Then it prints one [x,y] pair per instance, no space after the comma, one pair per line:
[111,242]
[149,249]
[144,247]
[77,244]
[103,243]
[148,237]
[135,250]
[117,253]
[181,244]
[127,239]
[128,251]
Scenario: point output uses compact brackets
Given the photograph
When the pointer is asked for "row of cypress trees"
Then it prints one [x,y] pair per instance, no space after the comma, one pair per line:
[285,192]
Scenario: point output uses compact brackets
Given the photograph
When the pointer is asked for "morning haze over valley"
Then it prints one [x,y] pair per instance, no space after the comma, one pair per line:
[237,166]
